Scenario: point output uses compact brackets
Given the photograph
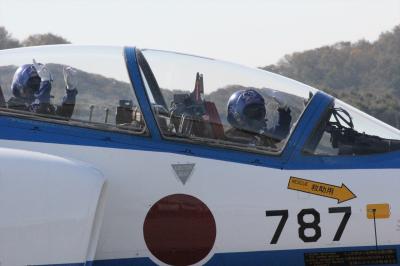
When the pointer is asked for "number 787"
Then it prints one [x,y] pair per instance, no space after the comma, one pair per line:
[313,225]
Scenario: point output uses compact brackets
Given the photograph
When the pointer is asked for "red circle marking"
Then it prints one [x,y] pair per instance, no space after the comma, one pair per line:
[179,230]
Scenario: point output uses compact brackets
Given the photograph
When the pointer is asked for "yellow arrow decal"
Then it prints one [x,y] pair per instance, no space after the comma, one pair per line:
[341,194]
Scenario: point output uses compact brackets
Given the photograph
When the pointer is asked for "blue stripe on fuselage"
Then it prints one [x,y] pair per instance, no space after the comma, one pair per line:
[20,129]
[265,258]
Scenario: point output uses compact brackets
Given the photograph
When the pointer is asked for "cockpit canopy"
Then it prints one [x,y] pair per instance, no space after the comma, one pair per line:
[173,78]
[105,98]
[193,94]
[189,96]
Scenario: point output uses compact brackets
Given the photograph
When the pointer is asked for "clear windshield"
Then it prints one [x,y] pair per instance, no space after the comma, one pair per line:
[344,130]
[367,124]
[200,98]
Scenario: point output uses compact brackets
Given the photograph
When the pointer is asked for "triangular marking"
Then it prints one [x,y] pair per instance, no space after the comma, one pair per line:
[183,171]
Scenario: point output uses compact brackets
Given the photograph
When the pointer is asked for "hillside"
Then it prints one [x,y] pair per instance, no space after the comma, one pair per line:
[364,74]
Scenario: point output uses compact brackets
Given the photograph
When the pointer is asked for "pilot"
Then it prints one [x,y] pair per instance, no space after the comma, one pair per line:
[247,116]
[31,88]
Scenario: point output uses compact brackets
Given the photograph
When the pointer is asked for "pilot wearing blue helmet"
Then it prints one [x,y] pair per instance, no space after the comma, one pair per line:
[31,88]
[247,116]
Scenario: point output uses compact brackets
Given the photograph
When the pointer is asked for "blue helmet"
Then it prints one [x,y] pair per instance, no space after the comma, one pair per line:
[26,81]
[246,110]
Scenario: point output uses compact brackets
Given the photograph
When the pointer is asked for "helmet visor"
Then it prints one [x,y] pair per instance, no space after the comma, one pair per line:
[255,112]
[32,85]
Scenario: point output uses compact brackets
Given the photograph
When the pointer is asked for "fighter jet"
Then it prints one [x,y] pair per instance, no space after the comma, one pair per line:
[128,156]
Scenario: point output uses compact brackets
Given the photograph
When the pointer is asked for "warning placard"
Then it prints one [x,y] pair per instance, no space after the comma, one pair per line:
[360,257]
[341,194]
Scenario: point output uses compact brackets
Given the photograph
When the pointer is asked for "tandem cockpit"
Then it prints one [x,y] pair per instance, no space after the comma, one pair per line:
[82,86]
[193,99]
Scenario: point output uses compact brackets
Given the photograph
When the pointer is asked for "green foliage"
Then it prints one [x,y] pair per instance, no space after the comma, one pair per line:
[364,74]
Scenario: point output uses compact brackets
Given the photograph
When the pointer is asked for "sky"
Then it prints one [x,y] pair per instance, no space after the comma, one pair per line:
[249,32]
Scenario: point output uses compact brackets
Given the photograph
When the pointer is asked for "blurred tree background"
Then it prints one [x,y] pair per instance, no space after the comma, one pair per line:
[43,39]
[364,74]
[7,41]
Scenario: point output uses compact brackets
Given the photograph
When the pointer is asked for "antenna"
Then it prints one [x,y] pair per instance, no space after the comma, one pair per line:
[2,99]
[91,107]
